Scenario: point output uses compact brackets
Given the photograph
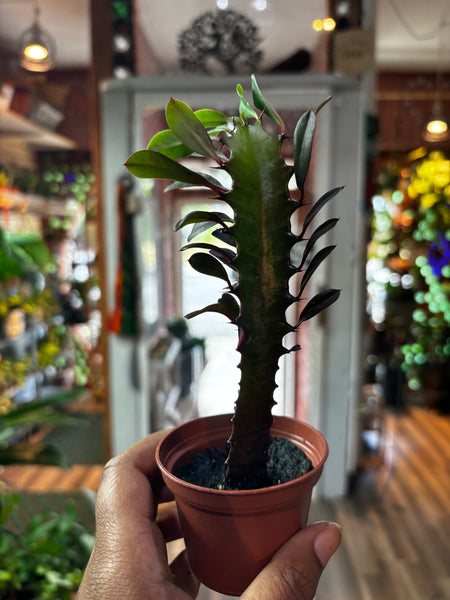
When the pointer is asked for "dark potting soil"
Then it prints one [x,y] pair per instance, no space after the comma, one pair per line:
[208,469]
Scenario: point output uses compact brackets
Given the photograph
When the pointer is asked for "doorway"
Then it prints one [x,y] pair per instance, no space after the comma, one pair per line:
[219,382]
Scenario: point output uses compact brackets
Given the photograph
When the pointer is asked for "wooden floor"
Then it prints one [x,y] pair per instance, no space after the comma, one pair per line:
[396,521]
[34,478]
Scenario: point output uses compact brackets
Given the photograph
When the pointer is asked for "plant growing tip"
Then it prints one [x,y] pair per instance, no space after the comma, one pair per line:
[260,102]
[258,243]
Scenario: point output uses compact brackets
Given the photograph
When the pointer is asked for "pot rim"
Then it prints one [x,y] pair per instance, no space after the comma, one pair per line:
[314,473]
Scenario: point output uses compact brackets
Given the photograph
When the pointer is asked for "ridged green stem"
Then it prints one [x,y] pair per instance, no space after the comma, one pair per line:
[262,206]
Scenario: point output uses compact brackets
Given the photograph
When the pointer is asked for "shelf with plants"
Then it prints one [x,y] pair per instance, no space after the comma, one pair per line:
[60,196]
[35,346]
[14,126]
[409,268]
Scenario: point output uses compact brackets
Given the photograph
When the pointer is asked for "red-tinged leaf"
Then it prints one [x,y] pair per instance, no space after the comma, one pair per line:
[200,228]
[313,265]
[226,305]
[213,184]
[303,140]
[318,303]
[203,216]
[316,234]
[318,205]
[208,265]
[224,236]
[224,254]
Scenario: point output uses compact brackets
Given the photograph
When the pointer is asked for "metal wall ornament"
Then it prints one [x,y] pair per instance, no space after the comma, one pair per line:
[226,38]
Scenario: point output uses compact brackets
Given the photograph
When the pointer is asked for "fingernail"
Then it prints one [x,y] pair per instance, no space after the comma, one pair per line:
[327,542]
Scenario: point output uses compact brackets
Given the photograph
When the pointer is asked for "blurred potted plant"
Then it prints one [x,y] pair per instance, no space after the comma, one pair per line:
[45,556]
[189,344]
[16,421]
[253,257]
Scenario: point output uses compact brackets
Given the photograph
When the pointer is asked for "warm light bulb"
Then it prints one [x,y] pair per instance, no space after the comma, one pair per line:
[437,126]
[329,24]
[317,25]
[36,52]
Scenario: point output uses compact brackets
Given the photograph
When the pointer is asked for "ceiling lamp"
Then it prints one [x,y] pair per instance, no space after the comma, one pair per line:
[436,129]
[36,47]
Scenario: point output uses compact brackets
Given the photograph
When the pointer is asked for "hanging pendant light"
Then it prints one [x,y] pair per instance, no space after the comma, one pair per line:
[437,127]
[36,47]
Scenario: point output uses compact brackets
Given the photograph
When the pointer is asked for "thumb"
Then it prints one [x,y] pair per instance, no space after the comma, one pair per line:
[294,571]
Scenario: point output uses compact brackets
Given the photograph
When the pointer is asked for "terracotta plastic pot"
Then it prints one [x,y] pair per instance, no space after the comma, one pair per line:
[231,535]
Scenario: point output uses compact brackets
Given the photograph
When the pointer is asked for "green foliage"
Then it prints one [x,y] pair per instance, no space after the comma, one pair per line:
[31,414]
[411,244]
[22,255]
[46,558]
[258,245]
[179,329]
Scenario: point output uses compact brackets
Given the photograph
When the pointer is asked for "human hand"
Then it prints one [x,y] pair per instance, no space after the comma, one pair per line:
[129,559]
[295,570]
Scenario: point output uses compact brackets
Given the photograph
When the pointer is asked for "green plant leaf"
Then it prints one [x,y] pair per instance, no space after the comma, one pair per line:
[317,233]
[39,416]
[224,254]
[148,164]
[214,184]
[318,303]
[261,103]
[33,454]
[303,139]
[29,248]
[203,216]
[245,110]
[227,305]
[318,205]
[220,234]
[60,398]
[324,103]
[40,412]
[212,118]
[199,228]
[9,267]
[208,265]
[189,129]
[313,265]
[167,143]
[224,236]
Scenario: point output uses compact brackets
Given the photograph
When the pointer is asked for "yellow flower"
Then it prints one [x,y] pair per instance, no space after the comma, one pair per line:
[412,193]
[428,200]
[5,405]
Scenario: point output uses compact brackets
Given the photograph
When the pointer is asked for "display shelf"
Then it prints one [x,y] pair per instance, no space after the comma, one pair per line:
[29,338]
[13,125]
[11,199]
